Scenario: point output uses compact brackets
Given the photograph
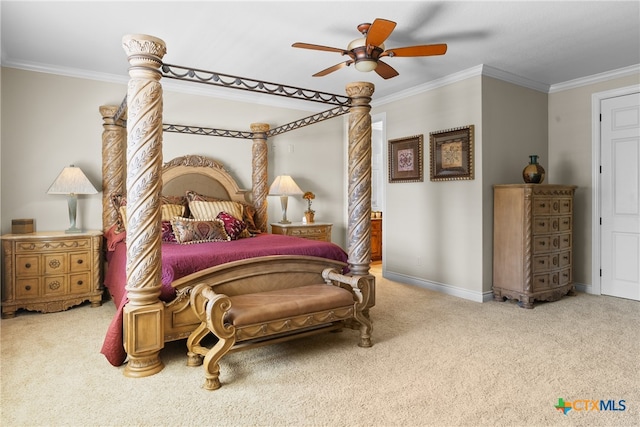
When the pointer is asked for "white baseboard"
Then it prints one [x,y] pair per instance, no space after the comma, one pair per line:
[458,292]
[439,287]
[581,287]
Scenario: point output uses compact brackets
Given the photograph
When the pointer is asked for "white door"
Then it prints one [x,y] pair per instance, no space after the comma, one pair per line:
[620,195]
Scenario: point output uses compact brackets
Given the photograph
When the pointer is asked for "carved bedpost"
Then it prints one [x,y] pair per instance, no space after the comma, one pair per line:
[359,226]
[260,168]
[114,142]
[144,313]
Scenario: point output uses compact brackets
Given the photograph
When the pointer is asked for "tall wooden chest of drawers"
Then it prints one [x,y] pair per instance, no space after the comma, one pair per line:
[50,271]
[532,242]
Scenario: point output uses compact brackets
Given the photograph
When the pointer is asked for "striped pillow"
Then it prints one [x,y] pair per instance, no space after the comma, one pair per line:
[168,213]
[171,211]
[207,210]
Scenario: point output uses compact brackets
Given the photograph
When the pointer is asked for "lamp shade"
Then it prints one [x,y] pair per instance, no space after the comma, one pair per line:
[72,181]
[284,185]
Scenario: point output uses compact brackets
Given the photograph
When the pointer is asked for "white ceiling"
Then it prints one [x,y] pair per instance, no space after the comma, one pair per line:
[542,43]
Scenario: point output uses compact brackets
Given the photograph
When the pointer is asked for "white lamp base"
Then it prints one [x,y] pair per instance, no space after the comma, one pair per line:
[73,209]
[283,203]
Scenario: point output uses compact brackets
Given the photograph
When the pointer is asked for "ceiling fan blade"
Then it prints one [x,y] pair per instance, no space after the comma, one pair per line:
[385,70]
[424,50]
[318,47]
[333,68]
[379,31]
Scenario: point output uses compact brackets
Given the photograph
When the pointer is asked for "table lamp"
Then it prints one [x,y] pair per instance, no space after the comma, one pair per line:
[284,186]
[72,182]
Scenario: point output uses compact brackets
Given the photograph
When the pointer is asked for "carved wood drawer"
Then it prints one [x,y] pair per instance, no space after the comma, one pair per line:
[314,231]
[532,257]
[50,271]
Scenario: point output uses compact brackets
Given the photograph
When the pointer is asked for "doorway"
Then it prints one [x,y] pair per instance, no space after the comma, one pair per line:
[377,185]
[616,237]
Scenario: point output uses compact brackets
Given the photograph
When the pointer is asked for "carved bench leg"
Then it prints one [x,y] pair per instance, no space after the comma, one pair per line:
[211,365]
[365,329]
[195,352]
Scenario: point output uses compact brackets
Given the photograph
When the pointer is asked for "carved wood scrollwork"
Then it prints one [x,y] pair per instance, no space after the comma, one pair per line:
[359,226]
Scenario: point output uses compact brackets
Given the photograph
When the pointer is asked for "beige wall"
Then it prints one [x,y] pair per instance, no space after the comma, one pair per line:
[436,234]
[433,230]
[570,160]
[51,121]
[514,122]
[447,241]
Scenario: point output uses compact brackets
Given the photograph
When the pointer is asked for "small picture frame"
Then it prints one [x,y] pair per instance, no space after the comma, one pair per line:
[452,154]
[406,159]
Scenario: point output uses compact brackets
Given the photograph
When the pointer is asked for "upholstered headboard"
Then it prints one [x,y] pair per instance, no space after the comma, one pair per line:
[202,175]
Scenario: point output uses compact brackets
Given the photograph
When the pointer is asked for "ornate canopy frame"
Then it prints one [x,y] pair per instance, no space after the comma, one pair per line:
[132,163]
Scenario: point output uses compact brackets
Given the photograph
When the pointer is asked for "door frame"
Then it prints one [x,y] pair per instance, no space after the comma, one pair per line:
[596,144]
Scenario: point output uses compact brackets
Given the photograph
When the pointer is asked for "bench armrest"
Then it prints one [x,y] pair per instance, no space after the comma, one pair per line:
[358,285]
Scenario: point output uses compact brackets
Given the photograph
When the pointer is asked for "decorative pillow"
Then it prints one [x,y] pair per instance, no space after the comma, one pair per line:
[119,200]
[169,211]
[234,227]
[171,206]
[189,230]
[167,232]
[122,212]
[248,211]
[205,210]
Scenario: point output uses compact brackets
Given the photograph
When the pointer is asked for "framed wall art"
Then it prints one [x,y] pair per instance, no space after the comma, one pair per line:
[406,159]
[452,154]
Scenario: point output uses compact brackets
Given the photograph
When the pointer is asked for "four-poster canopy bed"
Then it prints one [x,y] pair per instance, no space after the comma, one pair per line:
[150,310]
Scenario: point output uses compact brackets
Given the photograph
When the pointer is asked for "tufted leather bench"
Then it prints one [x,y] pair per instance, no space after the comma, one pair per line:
[273,315]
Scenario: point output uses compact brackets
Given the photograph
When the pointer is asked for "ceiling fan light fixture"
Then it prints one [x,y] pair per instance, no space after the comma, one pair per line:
[359,42]
[366,65]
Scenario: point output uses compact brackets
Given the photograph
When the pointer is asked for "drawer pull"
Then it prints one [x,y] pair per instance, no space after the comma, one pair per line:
[541,262]
[27,265]
[79,261]
[542,224]
[542,205]
[542,243]
[28,287]
[80,282]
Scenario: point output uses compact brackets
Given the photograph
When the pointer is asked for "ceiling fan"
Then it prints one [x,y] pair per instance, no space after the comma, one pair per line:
[365,52]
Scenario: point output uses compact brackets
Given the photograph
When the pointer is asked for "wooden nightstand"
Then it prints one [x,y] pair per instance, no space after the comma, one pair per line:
[313,231]
[50,271]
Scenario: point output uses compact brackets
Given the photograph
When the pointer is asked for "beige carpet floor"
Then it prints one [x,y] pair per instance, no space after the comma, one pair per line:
[437,360]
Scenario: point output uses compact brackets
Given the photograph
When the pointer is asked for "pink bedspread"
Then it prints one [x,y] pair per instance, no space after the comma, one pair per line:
[181,260]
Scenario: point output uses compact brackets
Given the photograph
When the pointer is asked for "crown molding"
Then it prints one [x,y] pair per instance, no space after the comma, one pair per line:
[479,70]
[176,86]
[264,99]
[596,78]
[508,77]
